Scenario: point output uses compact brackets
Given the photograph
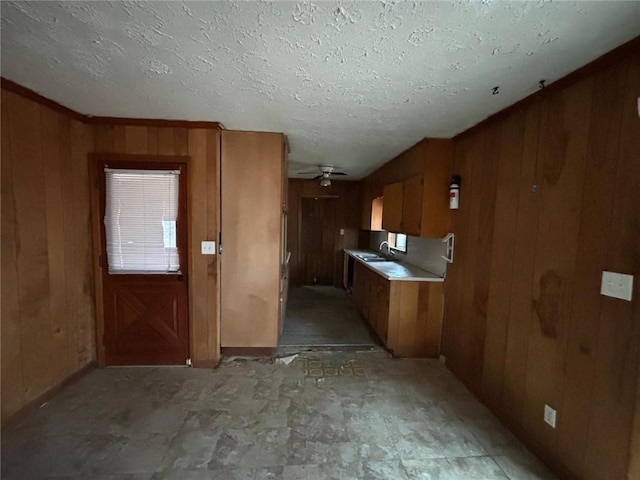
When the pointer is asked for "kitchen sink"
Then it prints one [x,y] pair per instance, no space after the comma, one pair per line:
[372,257]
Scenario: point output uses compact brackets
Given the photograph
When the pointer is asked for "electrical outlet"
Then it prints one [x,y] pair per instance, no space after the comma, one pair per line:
[549,416]
[442,359]
[617,285]
[208,248]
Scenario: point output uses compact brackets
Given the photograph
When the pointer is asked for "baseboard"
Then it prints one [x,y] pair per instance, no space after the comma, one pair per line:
[205,363]
[48,395]
[248,351]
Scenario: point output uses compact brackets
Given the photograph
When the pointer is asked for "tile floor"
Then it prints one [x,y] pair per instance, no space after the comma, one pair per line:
[323,316]
[326,415]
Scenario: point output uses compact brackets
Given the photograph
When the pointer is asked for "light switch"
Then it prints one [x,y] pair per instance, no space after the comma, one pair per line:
[342,231]
[617,285]
[208,248]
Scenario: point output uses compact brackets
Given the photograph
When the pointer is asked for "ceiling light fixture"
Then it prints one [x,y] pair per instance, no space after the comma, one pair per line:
[325,182]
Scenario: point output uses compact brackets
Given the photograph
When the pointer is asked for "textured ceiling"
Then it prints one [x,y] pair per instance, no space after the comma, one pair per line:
[351,83]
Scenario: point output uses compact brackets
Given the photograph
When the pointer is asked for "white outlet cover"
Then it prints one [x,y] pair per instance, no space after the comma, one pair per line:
[549,416]
[208,248]
[617,285]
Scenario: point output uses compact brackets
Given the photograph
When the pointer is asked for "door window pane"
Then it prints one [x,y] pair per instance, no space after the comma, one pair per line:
[140,220]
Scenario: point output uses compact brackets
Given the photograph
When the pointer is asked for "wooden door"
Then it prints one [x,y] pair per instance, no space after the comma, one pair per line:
[392,207]
[317,240]
[146,313]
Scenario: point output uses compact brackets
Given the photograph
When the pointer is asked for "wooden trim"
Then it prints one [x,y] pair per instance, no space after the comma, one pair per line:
[49,394]
[205,363]
[125,157]
[96,238]
[152,122]
[91,120]
[36,97]
[615,55]
[248,351]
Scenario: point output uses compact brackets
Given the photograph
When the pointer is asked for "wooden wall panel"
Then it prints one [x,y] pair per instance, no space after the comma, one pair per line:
[347,216]
[11,375]
[502,254]
[563,168]
[617,356]
[598,196]
[566,199]
[202,145]
[62,359]
[47,295]
[521,278]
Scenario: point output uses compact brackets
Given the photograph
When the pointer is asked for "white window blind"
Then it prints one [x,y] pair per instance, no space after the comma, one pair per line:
[140,220]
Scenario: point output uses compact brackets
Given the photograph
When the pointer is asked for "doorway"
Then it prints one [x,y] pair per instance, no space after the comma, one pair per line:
[143,258]
[319,312]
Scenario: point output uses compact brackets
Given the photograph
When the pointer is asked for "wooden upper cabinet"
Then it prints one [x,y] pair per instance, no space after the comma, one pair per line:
[438,162]
[392,207]
[412,206]
[418,204]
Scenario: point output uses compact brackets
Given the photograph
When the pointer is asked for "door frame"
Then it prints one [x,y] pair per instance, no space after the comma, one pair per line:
[98,240]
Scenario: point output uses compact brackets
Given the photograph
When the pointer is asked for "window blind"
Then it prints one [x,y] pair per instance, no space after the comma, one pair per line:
[140,220]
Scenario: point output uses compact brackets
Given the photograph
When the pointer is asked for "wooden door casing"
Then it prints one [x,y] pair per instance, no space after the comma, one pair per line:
[145,316]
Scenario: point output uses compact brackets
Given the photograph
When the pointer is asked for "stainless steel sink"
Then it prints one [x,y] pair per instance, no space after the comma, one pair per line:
[372,257]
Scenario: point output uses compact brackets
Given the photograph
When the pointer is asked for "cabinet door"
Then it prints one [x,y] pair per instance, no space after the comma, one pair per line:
[252,166]
[382,308]
[392,207]
[366,293]
[412,206]
[373,307]
[356,289]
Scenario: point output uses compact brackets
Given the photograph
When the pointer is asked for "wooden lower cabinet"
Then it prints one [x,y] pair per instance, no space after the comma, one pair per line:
[406,316]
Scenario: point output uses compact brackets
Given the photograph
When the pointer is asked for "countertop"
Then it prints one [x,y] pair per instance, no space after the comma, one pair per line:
[395,270]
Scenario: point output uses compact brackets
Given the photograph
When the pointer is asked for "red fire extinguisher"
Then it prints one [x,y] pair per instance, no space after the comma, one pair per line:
[454,192]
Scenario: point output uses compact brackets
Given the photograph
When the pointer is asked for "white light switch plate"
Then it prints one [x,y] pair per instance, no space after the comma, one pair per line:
[617,285]
[208,248]
[549,416]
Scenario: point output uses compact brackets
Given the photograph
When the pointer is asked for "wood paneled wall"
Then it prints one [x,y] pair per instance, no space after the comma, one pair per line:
[347,216]
[550,198]
[202,145]
[47,274]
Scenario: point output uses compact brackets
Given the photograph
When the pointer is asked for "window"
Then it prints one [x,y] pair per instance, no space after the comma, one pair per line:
[397,241]
[140,220]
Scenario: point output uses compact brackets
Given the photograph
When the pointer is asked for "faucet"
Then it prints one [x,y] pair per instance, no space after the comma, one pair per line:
[389,251]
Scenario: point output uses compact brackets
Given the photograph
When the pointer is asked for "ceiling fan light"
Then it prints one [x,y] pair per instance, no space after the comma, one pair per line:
[325,182]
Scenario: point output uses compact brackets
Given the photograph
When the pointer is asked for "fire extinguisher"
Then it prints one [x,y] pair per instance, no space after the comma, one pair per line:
[454,192]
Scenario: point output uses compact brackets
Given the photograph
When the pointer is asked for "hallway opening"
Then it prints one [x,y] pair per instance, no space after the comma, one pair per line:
[324,316]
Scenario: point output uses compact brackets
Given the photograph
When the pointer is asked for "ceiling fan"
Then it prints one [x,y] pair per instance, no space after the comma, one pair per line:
[325,173]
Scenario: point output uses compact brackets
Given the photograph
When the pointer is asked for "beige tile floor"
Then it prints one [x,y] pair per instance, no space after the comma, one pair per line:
[327,415]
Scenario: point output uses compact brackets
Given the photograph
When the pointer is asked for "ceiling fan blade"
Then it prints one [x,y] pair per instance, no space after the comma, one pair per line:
[338,173]
[311,172]
[316,178]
